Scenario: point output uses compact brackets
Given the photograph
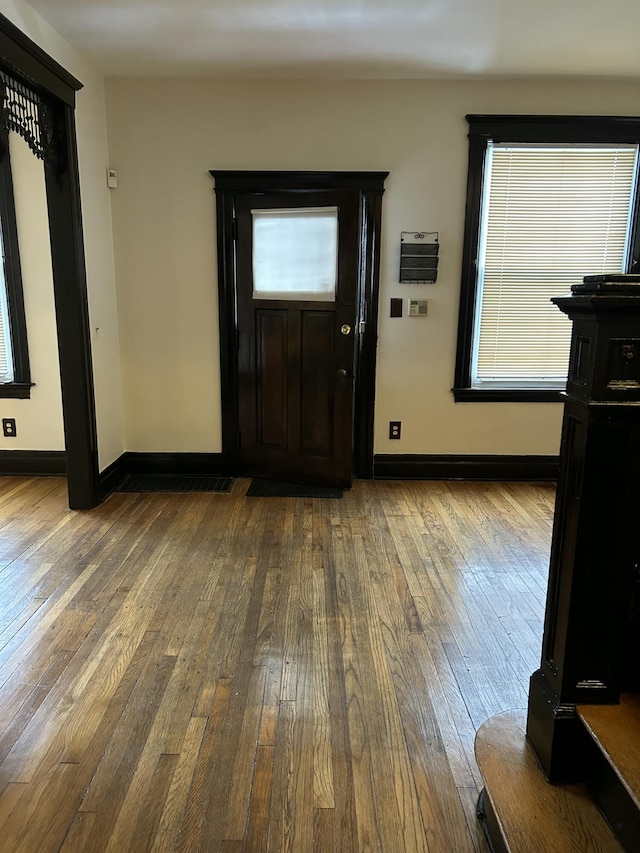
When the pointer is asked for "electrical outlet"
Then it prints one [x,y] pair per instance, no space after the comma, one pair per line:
[9,427]
[394,429]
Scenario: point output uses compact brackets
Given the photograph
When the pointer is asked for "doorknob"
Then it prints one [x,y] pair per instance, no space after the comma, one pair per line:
[345,329]
[342,373]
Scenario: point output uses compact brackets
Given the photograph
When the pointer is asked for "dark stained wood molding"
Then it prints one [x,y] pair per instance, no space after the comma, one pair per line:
[365,368]
[507,395]
[391,466]
[175,464]
[160,464]
[23,58]
[72,314]
[16,390]
[370,185]
[467,309]
[33,463]
[227,327]
[471,467]
[112,476]
[33,64]
[558,738]
[554,128]
[291,181]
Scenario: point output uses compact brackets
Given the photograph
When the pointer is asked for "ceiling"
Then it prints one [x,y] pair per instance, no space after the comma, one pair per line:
[353,38]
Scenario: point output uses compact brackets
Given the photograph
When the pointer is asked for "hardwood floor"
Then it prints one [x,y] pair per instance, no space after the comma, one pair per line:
[207,672]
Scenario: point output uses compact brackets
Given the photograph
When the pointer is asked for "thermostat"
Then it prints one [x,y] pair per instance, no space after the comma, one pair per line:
[418,308]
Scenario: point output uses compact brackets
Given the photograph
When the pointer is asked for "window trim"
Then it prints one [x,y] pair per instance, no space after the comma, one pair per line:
[21,386]
[524,129]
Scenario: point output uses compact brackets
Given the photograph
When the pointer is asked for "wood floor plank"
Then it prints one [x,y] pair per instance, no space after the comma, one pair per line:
[358,680]
[300,782]
[280,830]
[145,829]
[388,659]
[343,823]
[176,799]
[82,835]
[244,766]
[114,776]
[323,790]
[211,672]
[207,767]
[258,828]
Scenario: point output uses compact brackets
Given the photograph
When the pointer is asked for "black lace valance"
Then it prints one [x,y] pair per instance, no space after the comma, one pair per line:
[24,112]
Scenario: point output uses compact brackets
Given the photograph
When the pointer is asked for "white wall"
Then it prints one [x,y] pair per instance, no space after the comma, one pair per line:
[165,135]
[38,420]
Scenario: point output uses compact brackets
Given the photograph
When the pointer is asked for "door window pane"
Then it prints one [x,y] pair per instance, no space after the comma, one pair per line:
[295,254]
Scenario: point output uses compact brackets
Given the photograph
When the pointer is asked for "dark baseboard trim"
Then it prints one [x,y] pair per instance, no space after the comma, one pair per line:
[386,466]
[33,463]
[176,464]
[451,467]
[161,464]
[112,477]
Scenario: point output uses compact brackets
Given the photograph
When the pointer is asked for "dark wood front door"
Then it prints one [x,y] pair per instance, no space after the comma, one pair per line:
[286,409]
[296,345]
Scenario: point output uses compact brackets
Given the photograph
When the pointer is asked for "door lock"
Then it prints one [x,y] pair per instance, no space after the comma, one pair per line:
[345,329]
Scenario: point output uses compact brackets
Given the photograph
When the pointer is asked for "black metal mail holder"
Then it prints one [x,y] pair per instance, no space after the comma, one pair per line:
[591,637]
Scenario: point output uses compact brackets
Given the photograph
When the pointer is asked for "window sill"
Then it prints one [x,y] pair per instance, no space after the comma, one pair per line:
[507,395]
[16,390]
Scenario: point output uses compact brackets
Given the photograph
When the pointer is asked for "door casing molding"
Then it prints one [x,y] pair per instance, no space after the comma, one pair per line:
[23,59]
[370,187]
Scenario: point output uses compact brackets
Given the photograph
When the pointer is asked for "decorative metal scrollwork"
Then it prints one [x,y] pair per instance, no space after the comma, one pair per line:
[24,112]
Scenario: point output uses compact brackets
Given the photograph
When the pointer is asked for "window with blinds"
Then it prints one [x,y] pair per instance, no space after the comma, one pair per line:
[6,358]
[15,376]
[549,216]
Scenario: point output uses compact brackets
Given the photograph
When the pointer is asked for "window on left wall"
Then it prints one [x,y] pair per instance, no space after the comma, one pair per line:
[15,376]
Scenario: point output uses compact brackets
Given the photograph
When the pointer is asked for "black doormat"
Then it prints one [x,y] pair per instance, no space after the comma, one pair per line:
[153,483]
[280,489]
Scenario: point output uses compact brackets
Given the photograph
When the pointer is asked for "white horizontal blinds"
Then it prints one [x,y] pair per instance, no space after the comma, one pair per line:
[551,215]
[6,359]
[295,253]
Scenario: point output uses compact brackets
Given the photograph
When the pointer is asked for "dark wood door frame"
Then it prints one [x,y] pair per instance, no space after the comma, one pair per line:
[370,187]
[24,60]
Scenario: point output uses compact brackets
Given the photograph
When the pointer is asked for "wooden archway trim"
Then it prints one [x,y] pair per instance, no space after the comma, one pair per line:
[25,60]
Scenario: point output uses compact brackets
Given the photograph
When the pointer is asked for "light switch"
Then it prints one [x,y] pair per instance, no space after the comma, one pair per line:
[396,308]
